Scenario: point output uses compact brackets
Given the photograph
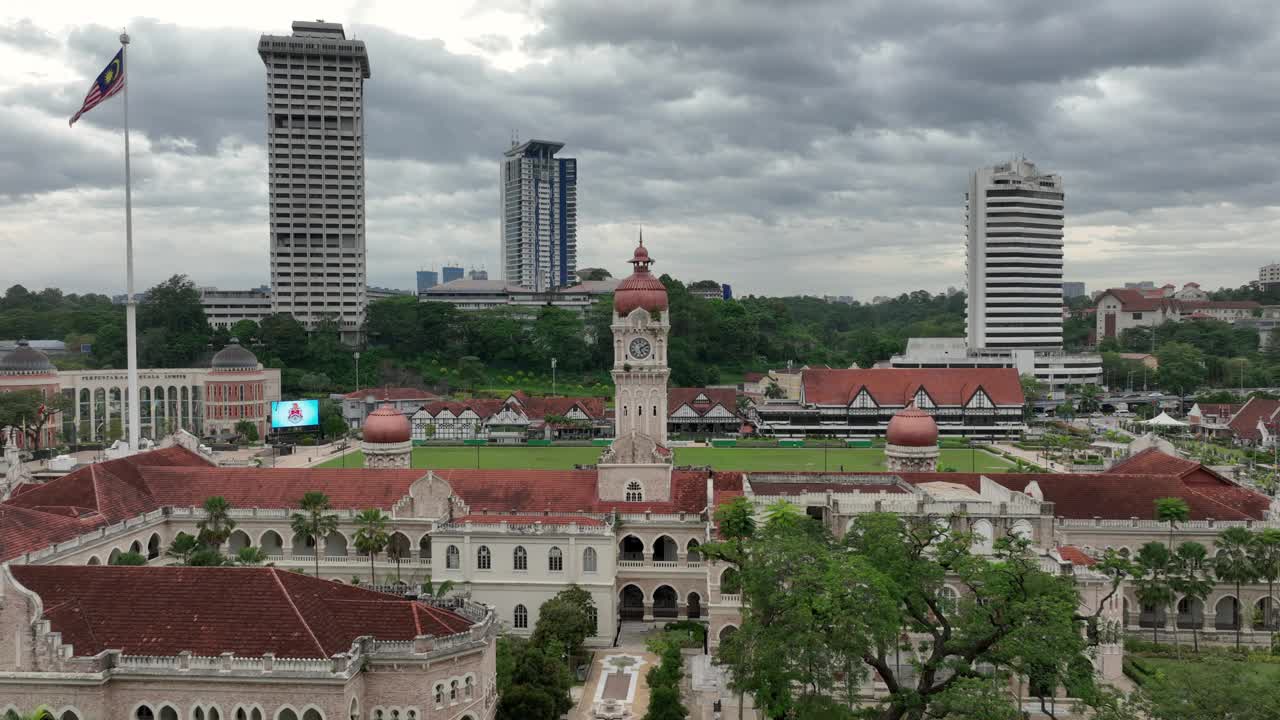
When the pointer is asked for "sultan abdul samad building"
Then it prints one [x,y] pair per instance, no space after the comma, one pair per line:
[98,643]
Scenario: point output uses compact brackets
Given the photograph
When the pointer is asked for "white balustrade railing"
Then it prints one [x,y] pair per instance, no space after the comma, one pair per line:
[1135,523]
[730,599]
[349,559]
[535,528]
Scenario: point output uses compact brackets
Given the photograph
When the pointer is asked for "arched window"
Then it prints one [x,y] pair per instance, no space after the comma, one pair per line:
[439,695]
[469,690]
[555,560]
[635,493]
[521,617]
[593,615]
[68,715]
[453,691]
[692,554]
[286,714]
[589,560]
[312,714]
[168,713]
[520,558]
[484,561]
[144,712]
[451,558]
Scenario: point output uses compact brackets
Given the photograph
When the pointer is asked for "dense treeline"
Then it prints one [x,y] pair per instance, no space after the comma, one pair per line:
[435,344]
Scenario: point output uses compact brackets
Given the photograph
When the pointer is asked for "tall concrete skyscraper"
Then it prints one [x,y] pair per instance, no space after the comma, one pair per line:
[1014,217]
[539,211]
[315,146]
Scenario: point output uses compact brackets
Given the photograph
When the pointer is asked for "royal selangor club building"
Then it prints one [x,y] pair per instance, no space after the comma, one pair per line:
[972,402]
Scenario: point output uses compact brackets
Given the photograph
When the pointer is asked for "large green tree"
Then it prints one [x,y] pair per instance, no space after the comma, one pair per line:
[566,621]
[1182,367]
[172,329]
[817,609]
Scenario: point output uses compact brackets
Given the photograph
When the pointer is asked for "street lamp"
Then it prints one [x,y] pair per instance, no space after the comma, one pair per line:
[553,376]
[356,355]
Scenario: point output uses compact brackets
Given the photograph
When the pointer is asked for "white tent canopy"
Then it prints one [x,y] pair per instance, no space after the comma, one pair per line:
[1163,420]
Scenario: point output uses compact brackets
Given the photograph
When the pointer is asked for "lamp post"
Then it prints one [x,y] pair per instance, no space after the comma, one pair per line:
[553,376]
[356,355]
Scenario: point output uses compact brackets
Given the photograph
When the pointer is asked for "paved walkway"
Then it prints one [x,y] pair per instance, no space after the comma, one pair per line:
[616,682]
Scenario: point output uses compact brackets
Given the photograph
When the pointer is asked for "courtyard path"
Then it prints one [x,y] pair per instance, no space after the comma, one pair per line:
[632,643]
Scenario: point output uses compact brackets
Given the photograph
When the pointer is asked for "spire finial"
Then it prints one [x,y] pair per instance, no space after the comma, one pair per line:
[642,236]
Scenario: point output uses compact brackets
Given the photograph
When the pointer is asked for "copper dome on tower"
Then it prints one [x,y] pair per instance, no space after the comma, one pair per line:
[387,425]
[641,289]
[912,427]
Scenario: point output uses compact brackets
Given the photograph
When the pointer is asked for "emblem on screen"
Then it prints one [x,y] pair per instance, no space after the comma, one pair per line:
[295,414]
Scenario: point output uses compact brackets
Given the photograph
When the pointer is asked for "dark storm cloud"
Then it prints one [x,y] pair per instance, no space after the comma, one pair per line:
[834,129]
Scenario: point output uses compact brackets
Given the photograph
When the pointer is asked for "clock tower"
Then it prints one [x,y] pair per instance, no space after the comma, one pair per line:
[640,326]
[636,469]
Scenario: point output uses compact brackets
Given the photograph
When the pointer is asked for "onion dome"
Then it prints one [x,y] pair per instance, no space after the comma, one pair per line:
[234,357]
[25,360]
[642,289]
[387,425]
[912,427]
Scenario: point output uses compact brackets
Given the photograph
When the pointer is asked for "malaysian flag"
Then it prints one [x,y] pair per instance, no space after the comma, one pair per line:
[110,81]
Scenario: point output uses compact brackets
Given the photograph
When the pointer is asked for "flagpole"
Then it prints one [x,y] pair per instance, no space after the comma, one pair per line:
[131,305]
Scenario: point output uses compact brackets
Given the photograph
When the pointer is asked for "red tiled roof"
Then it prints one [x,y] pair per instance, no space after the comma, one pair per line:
[24,530]
[1153,462]
[564,491]
[1139,301]
[209,611]
[484,407]
[1136,301]
[540,407]
[819,486]
[897,386]
[725,397]
[354,489]
[530,519]
[1219,409]
[391,394]
[1075,556]
[1245,422]
[753,377]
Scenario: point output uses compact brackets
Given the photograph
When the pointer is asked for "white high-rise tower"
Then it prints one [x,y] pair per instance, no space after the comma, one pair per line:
[1015,219]
[539,216]
[315,146]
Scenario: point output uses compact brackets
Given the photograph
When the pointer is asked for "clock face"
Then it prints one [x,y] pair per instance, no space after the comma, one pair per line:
[639,348]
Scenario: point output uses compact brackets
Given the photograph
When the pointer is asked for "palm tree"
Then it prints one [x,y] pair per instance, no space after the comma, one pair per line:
[1192,580]
[436,591]
[216,526]
[371,537]
[1153,588]
[1234,565]
[250,556]
[1266,560]
[1171,510]
[313,521]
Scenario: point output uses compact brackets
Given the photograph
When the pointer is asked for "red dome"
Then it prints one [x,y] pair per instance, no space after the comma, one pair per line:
[912,427]
[387,425]
[641,289]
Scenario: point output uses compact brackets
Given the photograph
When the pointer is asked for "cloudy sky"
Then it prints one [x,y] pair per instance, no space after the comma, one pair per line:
[784,147]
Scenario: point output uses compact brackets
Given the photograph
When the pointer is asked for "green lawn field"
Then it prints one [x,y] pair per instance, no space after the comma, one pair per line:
[755,459]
